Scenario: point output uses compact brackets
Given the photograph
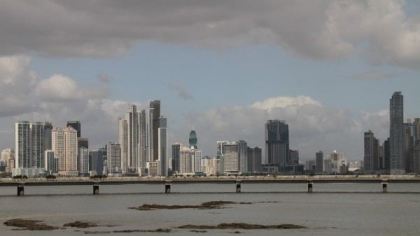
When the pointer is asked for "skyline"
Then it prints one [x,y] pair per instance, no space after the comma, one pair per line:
[218,82]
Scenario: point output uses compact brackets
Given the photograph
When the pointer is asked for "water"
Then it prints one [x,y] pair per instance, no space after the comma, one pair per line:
[333,209]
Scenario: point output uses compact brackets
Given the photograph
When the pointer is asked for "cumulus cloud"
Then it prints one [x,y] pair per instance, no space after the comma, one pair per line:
[312,125]
[58,98]
[319,29]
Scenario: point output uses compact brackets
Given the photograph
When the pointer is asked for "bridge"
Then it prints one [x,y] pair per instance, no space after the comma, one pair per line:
[236,180]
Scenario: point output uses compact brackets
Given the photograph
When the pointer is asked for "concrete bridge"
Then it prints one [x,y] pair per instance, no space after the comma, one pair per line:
[236,180]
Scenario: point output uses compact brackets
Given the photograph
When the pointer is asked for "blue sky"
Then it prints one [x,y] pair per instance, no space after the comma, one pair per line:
[326,67]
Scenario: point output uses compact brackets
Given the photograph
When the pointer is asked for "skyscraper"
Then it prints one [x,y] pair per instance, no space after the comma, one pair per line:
[277,143]
[193,139]
[133,139]
[371,153]
[396,136]
[96,161]
[22,144]
[155,105]
[185,160]
[123,141]
[176,148]
[319,162]
[409,141]
[31,140]
[162,147]
[83,161]
[65,148]
[143,148]
[76,126]
[113,153]
[234,156]
[254,160]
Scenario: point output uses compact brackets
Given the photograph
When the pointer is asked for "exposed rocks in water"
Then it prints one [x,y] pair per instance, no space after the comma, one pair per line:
[80,224]
[29,224]
[160,230]
[198,231]
[244,226]
[204,205]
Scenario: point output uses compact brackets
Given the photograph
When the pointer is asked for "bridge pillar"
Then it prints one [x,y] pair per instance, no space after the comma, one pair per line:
[20,190]
[238,187]
[310,187]
[167,188]
[95,189]
[384,187]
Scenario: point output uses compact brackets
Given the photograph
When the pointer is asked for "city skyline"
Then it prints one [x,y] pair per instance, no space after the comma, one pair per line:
[211,76]
[141,112]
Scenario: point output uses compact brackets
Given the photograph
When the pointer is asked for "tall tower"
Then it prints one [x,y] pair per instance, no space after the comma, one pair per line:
[123,141]
[277,143]
[162,147]
[142,141]
[371,152]
[65,148]
[22,144]
[155,105]
[319,162]
[76,126]
[193,139]
[175,157]
[396,133]
[132,118]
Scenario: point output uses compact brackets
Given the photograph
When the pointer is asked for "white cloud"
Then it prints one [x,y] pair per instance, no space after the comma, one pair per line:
[284,102]
[58,87]
[318,29]
[25,96]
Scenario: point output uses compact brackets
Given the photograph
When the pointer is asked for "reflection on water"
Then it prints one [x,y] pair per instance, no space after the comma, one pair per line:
[344,211]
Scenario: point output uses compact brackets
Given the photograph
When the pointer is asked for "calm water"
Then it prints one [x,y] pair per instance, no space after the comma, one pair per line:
[362,210]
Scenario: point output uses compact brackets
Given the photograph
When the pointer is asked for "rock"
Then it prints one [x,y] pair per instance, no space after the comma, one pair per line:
[80,224]
[29,224]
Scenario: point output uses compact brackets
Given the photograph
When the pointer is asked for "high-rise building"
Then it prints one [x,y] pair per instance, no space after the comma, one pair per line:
[143,136]
[23,144]
[233,154]
[193,139]
[83,142]
[396,136]
[83,161]
[416,148]
[47,136]
[277,143]
[185,160]
[155,106]
[371,153]
[51,165]
[31,140]
[96,161]
[64,146]
[133,139]
[162,147]
[113,153]
[409,142]
[176,148]
[254,160]
[8,158]
[123,141]
[319,162]
[76,126]
[196,159]
[387,156]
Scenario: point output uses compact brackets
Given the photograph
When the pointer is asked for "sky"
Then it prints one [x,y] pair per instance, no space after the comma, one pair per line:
[221,67]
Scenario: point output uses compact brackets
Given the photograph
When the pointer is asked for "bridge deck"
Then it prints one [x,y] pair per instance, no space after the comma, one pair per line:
[212,180]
